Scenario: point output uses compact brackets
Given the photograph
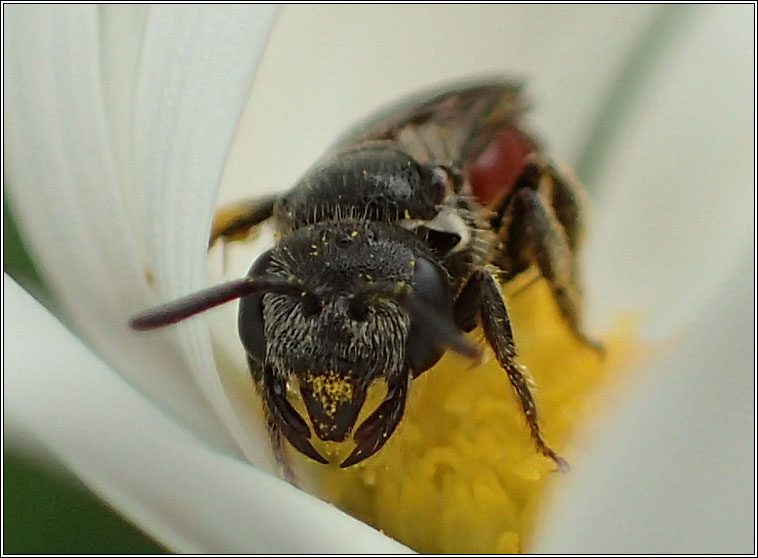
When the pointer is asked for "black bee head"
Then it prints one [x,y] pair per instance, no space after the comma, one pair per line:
[357,315]
[334,307]
[333,338]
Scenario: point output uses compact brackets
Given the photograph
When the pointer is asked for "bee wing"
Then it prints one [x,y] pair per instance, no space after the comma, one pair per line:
[448,125]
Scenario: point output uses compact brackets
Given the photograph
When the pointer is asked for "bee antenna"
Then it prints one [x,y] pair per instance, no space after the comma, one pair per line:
[439,326]
[185,307]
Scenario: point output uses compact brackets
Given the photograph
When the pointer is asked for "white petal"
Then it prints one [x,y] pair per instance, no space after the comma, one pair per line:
[64,188]
[188,496]
[122,34]
[677,195]
[675,473]
[194,79]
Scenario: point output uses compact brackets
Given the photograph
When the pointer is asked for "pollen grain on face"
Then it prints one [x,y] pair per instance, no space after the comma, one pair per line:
[331,389]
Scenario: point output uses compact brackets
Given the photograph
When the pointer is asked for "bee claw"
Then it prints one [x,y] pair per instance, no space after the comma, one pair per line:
[561,465]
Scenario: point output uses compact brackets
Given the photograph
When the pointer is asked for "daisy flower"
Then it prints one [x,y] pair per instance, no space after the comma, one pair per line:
[125,126]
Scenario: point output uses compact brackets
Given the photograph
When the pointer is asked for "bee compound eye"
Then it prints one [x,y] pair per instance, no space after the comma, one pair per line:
[260,265]
[250,318]
[250,326]
[432,287]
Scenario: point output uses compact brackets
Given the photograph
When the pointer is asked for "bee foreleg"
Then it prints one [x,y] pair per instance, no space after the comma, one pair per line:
[273,429]
[234,221]
[567,202]
[482,293]
[535,234]
[277,448]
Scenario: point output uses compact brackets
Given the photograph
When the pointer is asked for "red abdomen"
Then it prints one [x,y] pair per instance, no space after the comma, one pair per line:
[495,171]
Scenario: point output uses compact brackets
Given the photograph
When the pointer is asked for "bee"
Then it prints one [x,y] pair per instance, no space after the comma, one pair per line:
[388,251]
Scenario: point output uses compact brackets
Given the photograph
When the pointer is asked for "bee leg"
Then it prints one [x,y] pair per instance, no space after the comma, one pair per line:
[272,429]
[566,201]
[547,238]
[374,432]
[277,448]
[482,293]
[234,221]
[282,421]
[288,421]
